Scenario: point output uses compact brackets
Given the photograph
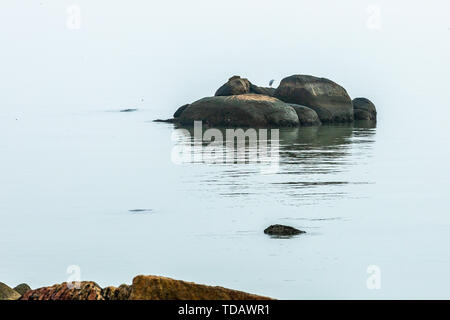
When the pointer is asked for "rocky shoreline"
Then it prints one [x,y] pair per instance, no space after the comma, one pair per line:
[142,288]
[299,100]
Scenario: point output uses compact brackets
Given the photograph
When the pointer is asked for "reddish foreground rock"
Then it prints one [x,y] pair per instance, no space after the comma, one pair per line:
[143,288]
[120,293]
[87,290]
[161,288]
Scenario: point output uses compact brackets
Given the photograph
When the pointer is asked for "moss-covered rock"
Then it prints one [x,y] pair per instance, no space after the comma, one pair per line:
[22,288]
[6,293]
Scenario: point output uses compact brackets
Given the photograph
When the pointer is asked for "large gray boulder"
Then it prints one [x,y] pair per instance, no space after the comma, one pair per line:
[306,116]
[246,110]
[331,102]
[6,293]
[235,85]
[364,109]
[180,110]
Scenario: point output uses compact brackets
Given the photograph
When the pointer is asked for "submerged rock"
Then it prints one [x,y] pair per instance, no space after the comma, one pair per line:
[165,120]
[161,288]
[88,290]
[306,116]
[6,293]
[22,288]
[234,86]
[364,109]
[280,230]
[331,101]
[246,110]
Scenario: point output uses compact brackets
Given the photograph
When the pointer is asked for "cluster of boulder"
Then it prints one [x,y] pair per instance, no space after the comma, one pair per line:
[299,100]
[142,288]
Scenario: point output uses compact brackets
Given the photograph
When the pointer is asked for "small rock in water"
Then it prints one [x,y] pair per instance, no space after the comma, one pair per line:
[128,110]
[6,293]
[140,210]
[165,120]
[22,288]
[280,230]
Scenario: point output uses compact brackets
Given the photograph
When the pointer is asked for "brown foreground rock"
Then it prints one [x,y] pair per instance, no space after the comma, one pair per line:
[143,288]
[120,293]
[161,288]
[88,290]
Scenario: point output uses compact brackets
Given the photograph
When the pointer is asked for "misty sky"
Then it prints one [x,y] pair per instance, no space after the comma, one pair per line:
[172,52]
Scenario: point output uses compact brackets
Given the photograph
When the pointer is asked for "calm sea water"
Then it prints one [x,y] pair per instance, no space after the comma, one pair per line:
[96,188]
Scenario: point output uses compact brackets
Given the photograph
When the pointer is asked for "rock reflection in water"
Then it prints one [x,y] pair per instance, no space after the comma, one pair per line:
[310,164]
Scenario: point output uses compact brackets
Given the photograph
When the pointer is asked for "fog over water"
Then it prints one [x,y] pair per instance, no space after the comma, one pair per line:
[84,184]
